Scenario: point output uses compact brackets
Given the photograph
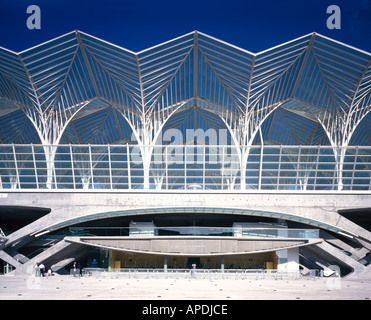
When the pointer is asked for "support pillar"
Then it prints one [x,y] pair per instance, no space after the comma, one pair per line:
[222,263]
[288,260]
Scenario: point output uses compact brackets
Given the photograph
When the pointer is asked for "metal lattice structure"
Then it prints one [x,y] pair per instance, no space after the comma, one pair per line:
[77,89]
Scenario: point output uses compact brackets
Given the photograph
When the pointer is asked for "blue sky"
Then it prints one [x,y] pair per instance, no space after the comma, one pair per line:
[138,24]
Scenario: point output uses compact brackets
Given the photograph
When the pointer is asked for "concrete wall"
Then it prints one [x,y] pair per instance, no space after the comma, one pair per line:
[192,245]
[319,209]
[71,207]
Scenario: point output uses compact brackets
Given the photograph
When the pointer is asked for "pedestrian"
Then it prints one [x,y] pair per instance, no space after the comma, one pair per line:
[42,269]
[193,269]
[79,269]
[75,270]
[37,269]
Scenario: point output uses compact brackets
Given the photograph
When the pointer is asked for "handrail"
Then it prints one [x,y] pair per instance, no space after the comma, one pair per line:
[199,273]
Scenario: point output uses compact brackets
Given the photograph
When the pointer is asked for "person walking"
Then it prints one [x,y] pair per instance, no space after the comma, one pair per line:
[193,269]
[42,269]
[37,269]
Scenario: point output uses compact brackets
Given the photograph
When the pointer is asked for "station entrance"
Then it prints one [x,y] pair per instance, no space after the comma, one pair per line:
[264,260]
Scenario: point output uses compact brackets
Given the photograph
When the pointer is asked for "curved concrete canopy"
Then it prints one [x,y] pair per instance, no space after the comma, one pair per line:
[200,210]
[192,246]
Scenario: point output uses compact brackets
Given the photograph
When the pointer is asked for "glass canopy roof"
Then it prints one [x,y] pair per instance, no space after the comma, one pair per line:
[79,89]
[74,111]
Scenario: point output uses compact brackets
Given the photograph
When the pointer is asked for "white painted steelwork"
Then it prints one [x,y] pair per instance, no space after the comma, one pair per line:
[50,89]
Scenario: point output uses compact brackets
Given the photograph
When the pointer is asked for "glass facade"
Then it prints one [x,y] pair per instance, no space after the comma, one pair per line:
[178,167]
[284,233]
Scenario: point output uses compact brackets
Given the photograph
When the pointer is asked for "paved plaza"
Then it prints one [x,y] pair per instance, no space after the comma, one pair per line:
[67,287]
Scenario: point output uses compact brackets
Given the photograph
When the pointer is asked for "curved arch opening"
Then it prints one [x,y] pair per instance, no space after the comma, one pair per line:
[288,127]
[193,214]
[220,224]
[362,135]
[98,123]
